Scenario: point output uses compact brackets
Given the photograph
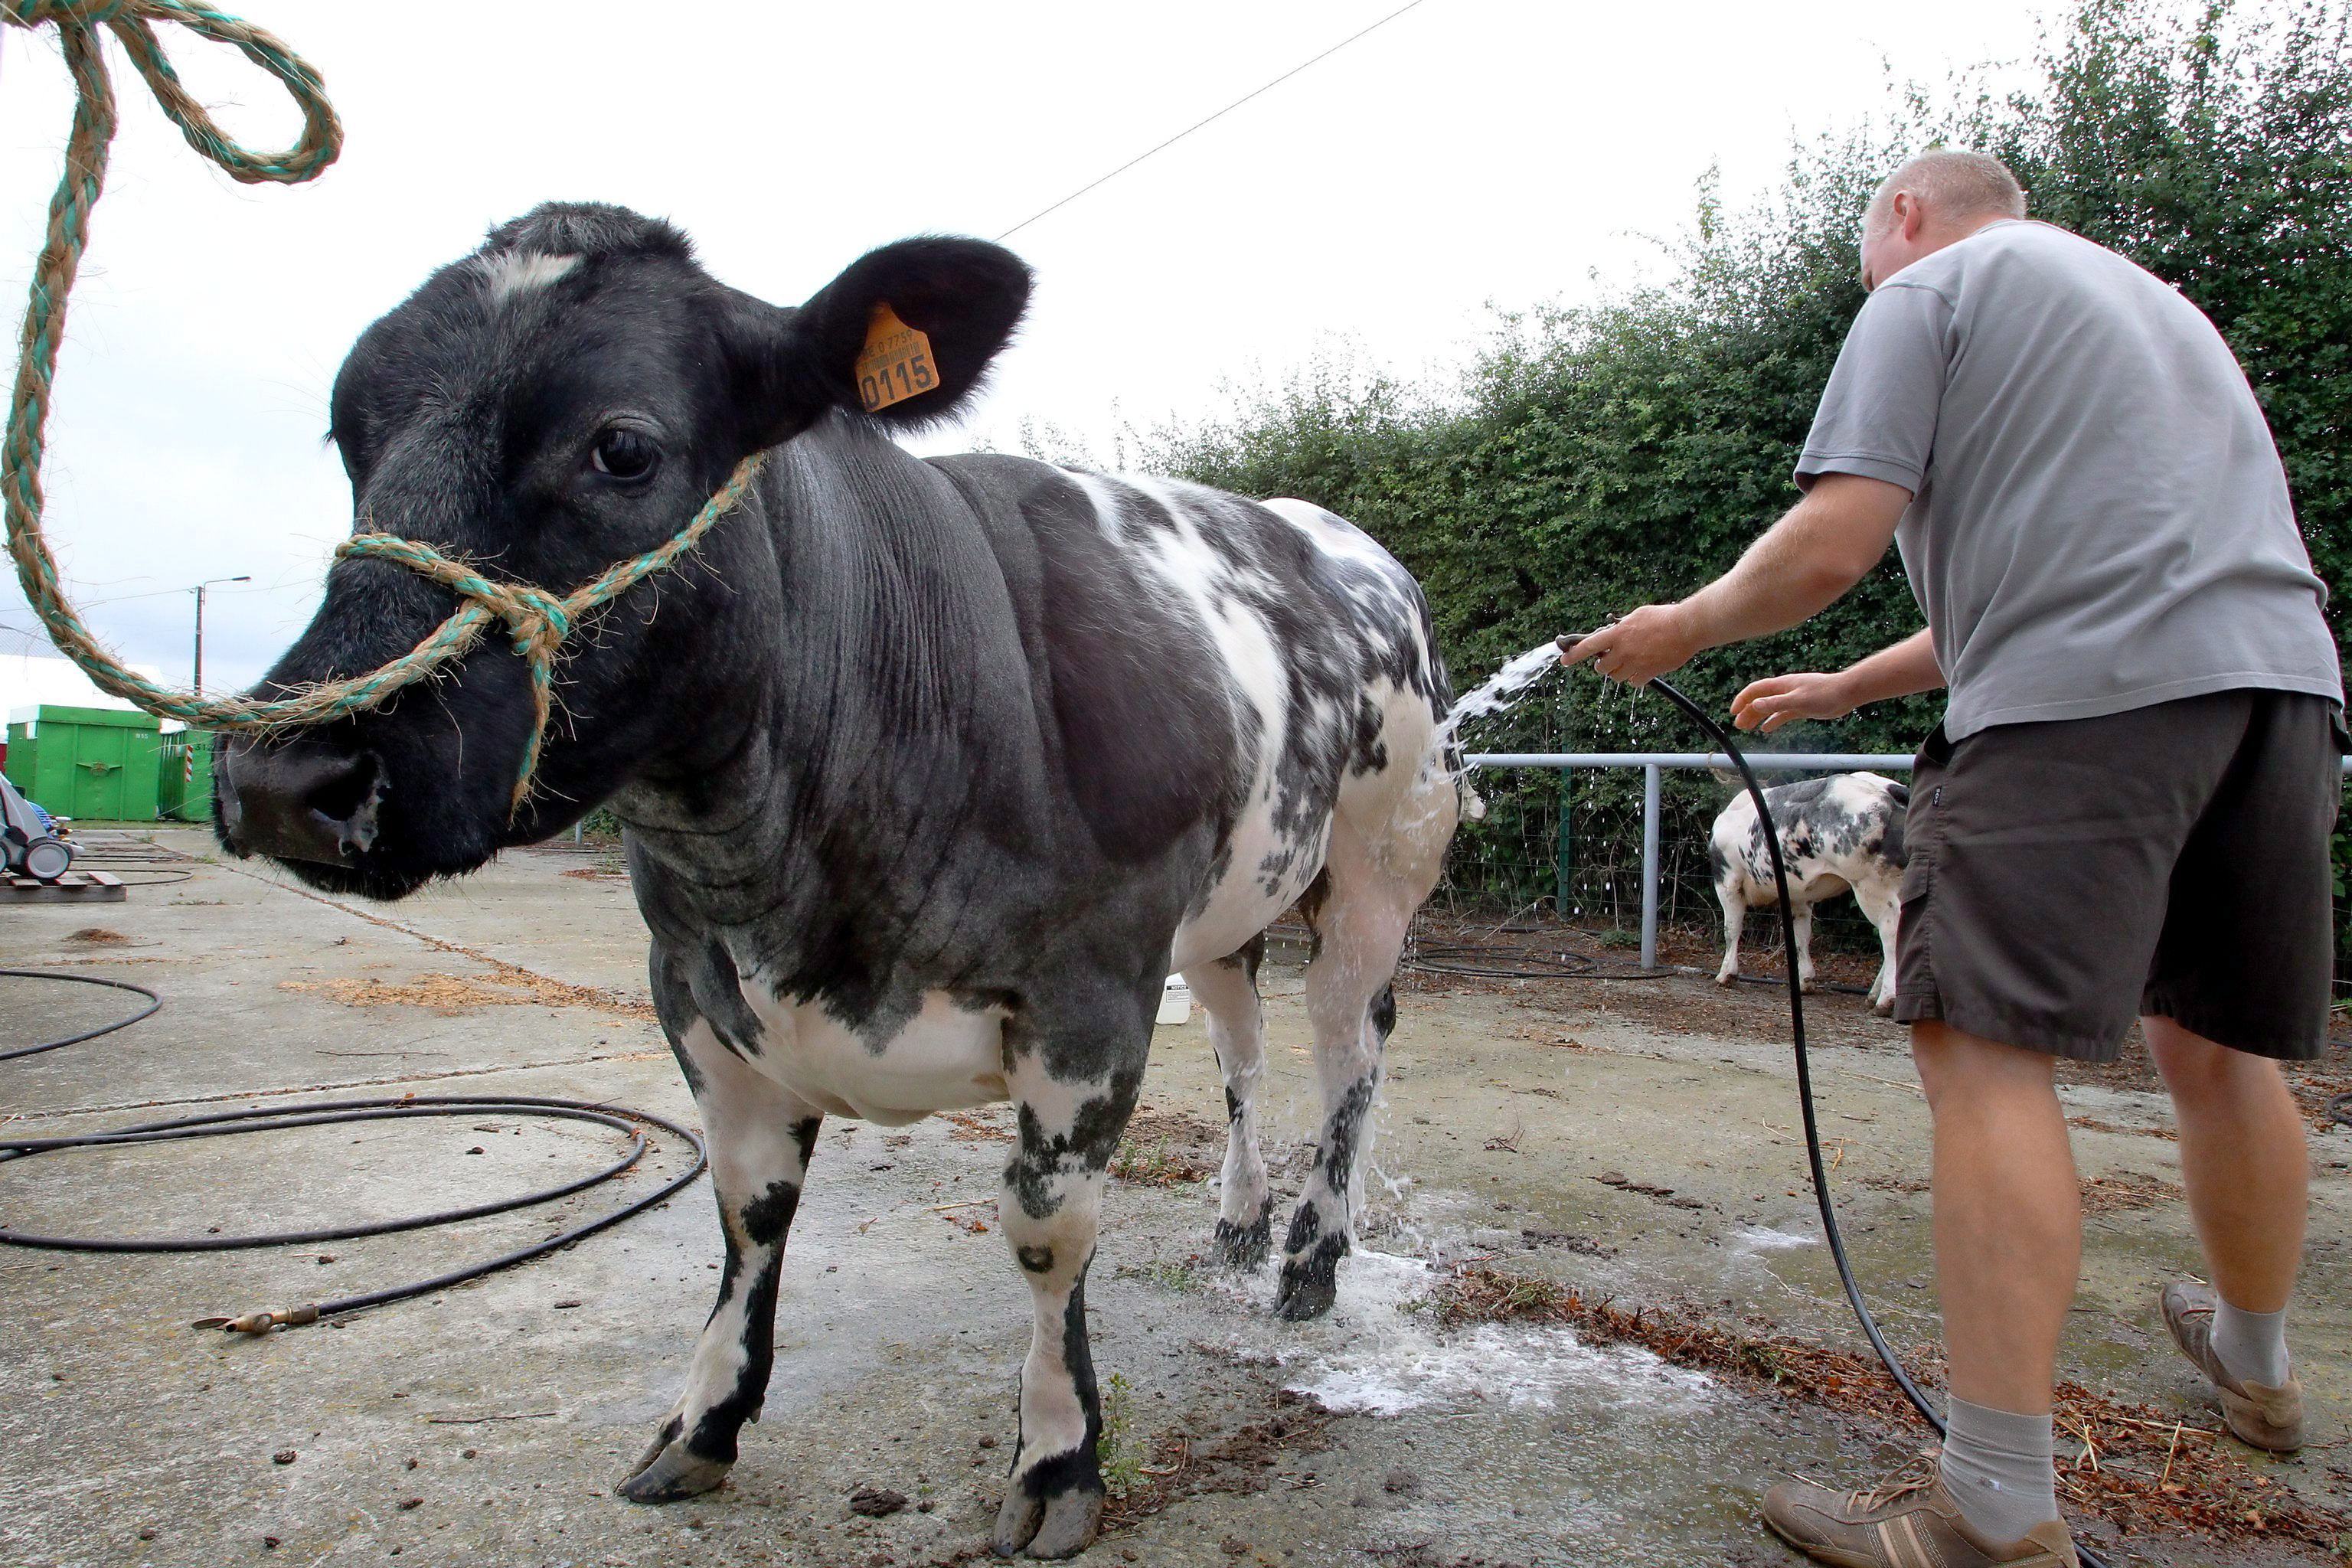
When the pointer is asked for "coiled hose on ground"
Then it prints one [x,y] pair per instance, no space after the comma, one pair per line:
[314,1114]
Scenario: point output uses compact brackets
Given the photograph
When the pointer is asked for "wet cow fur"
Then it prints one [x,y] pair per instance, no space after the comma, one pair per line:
[932,770]
[1837,833]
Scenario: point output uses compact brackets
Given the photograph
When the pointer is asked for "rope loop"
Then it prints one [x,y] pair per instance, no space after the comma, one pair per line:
[537,623]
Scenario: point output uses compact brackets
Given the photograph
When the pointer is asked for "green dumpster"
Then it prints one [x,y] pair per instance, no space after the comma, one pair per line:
[184,790]
[93,763]
[21,753]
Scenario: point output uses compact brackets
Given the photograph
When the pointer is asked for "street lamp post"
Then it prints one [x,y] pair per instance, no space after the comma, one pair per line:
[197,683]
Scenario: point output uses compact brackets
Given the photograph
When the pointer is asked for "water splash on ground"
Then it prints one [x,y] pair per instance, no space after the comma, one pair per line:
[1764,1238]
[1382,1353]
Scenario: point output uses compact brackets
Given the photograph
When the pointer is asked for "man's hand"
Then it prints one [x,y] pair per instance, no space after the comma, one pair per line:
[1652,641]
[1783,699]
[1907,667]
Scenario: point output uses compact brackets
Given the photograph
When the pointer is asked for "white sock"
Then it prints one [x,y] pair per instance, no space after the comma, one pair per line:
[2252,1346]
[1997,1467]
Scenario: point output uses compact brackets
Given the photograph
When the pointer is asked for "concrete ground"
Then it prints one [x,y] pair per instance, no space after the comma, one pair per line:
[488,1423]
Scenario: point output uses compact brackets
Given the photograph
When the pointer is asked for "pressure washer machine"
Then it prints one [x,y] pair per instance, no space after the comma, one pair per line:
[30,845]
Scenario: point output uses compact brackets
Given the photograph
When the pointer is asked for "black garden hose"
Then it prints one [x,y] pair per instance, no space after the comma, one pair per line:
[154,864]
[153,1003]
[1805,1080]
[1496,961]
[1479,961]
[314,1114]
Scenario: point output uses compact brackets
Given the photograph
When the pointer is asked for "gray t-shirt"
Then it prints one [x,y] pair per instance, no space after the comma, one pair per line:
[2098,519]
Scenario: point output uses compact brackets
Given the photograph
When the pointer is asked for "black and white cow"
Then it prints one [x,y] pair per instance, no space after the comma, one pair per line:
[932,770]
[1840,833]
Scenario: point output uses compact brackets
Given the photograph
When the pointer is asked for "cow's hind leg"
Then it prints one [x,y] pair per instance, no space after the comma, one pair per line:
[1052,1199]
[1227,990]
[1361,928]
[1878,899]
[760,1135]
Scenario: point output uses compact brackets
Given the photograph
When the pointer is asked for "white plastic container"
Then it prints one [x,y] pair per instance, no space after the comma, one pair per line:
[1175,1002]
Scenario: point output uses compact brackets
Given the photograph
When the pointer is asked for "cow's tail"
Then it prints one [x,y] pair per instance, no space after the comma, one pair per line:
[1473,804]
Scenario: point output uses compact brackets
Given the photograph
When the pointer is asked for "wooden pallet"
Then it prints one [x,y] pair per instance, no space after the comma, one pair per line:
[73,888]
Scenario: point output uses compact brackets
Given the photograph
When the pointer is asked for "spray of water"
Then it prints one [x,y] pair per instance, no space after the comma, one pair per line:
[1502,689]
[1499,693]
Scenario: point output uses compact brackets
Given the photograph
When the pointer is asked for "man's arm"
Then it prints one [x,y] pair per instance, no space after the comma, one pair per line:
[1907,667]
[1821,547]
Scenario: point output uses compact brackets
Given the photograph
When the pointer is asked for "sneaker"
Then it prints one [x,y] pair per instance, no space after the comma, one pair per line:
[1909,1523]
[2266,1418]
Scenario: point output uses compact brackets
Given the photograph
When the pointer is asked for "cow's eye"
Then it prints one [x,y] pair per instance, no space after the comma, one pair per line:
[623,454]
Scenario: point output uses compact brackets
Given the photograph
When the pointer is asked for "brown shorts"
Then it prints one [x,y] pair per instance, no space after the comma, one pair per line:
[2172,860]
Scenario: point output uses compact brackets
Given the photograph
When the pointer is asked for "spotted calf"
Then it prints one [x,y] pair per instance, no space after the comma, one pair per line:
[1840,834]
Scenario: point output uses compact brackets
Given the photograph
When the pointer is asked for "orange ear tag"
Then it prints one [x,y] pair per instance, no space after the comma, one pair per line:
[896,363]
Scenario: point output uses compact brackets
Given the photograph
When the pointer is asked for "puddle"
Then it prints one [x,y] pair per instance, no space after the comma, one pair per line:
[1488,1367]
[1381,1352]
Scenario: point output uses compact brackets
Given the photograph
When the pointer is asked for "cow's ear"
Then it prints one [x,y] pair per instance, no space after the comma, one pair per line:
[961,297]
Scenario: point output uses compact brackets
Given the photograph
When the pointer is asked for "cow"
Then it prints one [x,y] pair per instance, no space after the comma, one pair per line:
[1837,833]
[931,770]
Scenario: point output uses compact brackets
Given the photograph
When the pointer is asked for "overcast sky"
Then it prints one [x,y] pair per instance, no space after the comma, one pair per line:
[1469,154]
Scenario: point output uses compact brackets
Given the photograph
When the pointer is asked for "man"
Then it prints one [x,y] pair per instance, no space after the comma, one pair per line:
[2126,810]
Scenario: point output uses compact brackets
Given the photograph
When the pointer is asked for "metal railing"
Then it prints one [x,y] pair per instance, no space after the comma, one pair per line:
[1653,765]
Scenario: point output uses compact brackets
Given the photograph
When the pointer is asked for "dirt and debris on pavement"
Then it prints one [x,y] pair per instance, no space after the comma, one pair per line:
[2144,1473]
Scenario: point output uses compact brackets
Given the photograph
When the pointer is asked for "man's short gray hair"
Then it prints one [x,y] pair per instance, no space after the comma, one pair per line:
[1953,184]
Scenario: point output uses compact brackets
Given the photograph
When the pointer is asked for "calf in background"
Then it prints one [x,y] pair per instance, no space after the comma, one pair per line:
[1841,834]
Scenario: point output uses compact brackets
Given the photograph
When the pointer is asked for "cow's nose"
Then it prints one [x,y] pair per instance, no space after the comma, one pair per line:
[301,804]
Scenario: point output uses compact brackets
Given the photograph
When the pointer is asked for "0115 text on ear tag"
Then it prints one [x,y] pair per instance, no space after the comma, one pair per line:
[896,363]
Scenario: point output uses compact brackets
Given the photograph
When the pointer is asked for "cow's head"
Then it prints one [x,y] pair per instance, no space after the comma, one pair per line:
[565,398]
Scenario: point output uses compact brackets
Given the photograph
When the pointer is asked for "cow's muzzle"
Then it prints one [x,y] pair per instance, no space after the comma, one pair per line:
[297,803]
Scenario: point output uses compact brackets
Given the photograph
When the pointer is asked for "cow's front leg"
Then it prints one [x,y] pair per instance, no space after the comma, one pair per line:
[1227,990]
[1804,924]
[1735,915]
[760,1135]
[1053,1195]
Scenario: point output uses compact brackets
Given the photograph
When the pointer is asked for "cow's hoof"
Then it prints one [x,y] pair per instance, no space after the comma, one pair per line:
[1308,1299]
[669,1470]
[1037,1521]
[1805,983]
[1728,978]
[1244,1246]
[1311,1284]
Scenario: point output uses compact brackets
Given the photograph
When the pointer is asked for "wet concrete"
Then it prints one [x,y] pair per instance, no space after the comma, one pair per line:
[489,1424]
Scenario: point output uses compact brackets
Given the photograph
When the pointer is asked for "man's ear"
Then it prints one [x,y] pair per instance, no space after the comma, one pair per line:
[961,298]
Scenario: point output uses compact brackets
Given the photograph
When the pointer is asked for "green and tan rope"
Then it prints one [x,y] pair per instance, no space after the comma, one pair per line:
[536,622]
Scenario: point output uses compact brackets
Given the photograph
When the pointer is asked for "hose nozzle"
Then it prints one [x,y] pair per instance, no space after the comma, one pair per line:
[262,1322]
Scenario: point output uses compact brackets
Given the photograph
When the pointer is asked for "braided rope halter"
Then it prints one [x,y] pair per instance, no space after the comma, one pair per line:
[537,623]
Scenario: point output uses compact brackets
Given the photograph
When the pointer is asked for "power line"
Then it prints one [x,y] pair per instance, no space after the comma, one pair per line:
[161,592]
[1219,114]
